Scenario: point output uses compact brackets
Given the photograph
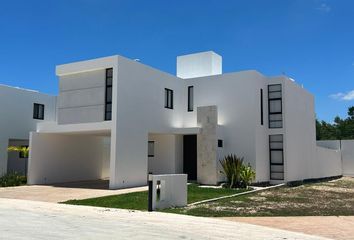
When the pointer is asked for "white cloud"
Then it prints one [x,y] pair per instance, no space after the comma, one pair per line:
[324,7]
[343,96]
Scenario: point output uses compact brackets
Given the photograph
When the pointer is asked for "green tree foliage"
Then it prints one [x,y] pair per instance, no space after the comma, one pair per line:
[339,129]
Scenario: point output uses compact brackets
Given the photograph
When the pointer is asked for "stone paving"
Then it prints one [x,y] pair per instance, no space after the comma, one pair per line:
[22,219]
[341,228]
[64,192]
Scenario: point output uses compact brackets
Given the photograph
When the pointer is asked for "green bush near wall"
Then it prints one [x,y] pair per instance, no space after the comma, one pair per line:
[12,179]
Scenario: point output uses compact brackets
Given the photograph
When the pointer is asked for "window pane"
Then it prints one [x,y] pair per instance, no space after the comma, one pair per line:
[275,106]
[276,145]
[108,116]
[109,107]
[275,117]
[276,124]
[274,87]
[109,72]
[41,112]
[276,138]
[276,157]
[109,94]
[109,81]
[277,168]
[151,146]
[274,95]
[277,176]
[190,98]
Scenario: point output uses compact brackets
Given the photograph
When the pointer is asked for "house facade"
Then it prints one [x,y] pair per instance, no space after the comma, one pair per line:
[20,111]
[119,119]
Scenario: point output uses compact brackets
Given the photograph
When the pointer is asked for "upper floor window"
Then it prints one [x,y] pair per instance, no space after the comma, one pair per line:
[190,99]
[151,148]
[38,111]
[261,102]
[275,106]
[108,95]
[168,98]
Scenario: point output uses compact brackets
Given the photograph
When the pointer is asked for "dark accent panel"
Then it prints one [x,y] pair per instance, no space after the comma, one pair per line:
[190,156]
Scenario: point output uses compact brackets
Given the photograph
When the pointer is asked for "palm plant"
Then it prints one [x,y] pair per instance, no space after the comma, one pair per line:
[247,175]
[232,165]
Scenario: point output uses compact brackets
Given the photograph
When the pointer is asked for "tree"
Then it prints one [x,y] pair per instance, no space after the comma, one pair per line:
[23,150]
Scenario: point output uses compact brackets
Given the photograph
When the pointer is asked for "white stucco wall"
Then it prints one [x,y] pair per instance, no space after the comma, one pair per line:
[168,154]
[139,96]
[327,163]
[58,158]
[348,157]
[16,117]
[331,144]
[300,131]
[237,98]
[199,65]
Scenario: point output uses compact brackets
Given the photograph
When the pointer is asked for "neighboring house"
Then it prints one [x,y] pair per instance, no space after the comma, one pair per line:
[20,111]
[120,119]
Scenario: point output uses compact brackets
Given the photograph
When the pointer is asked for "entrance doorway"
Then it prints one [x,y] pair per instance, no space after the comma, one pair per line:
[190,156]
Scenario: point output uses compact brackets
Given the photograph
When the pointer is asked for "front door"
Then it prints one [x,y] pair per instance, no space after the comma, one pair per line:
[190,156]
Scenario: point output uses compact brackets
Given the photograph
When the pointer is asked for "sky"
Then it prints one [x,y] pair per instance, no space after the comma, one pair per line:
[311,41]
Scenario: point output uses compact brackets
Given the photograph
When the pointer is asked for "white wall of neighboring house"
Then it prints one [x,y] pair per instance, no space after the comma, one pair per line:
[16,117]
[347,150]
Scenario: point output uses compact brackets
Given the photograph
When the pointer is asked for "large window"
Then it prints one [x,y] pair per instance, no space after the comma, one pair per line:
[276,155]
[38,111]
[108,97]
[275,106]
[168,98]
[190,99]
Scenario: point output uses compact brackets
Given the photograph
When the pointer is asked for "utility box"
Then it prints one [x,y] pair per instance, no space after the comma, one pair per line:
[167,190]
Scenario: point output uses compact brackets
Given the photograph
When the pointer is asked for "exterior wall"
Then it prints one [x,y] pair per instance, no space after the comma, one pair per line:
[63,158]
[139,96]
[331,144]
[199,65]
[348,157]
[237,98]
[168,155]
[81,97]
[327,163]
[16,120]
[300,131]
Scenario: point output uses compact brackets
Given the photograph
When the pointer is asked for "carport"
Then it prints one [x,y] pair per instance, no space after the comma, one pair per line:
[61,157]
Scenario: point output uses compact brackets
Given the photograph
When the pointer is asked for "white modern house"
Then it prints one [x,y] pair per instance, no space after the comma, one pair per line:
[119,119]
[20,111]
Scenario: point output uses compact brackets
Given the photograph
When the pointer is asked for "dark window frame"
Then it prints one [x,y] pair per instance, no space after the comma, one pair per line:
[168,94]
[190,106]
[281,106]
[270,156]
[109,78]
[151,155]
[36,112]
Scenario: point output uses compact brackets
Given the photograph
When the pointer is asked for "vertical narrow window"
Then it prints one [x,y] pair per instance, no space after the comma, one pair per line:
[276,156]
[38,111]
[190,99]
[261,99]
[108,95]
[151,148]
[168,98]
[275,110]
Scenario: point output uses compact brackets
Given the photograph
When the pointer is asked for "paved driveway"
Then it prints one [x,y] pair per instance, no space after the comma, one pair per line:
[20,219]
[63,192]
[341,228]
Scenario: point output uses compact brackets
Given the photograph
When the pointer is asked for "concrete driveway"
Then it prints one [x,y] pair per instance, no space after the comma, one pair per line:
[20,219]
[63,192]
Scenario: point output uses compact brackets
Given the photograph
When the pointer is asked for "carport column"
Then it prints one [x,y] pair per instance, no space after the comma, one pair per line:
[207,118]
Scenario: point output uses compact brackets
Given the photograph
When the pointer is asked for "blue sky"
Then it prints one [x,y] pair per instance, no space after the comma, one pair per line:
[311,41]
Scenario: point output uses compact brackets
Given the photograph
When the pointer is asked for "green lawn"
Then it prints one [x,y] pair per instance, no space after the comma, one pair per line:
[138,200]
[330,198]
